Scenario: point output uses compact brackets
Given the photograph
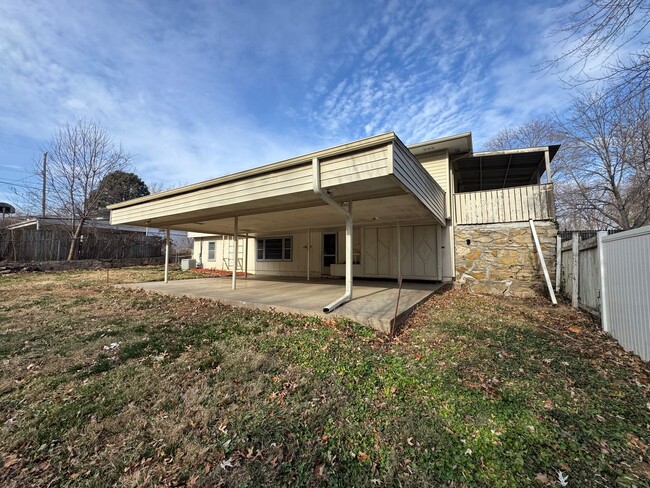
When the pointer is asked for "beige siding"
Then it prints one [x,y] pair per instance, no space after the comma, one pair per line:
[290,180]
[418,181]
[517,204]
[296,267]
[364,165]
[437,165]
[223,253]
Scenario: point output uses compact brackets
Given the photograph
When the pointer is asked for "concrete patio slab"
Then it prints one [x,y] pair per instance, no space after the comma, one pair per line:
[373,303]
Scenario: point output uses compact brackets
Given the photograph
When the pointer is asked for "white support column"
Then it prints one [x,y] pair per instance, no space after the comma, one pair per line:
[167,245]
[308,251]
[575,254]
[399,253]
[234,254]
[558,263]
[349,245]
[245,257]
[604,319]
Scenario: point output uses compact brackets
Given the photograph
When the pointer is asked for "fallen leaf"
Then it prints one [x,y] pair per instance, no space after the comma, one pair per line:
[575,329]
[409,441]
[542,478]
[362,456]
[319,471]
[208,466]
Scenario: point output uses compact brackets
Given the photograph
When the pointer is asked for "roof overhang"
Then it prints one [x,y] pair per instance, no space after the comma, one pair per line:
[490,170]
[384,180]
[459,144]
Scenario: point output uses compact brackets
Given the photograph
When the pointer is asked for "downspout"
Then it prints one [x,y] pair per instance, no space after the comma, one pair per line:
[347,213]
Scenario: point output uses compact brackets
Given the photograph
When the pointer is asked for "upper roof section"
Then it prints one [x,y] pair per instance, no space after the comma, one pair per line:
[491,170]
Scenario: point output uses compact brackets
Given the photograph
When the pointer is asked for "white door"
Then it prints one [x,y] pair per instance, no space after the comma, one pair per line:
[425,251]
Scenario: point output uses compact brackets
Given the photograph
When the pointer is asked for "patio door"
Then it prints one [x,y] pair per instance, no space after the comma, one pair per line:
[329,251]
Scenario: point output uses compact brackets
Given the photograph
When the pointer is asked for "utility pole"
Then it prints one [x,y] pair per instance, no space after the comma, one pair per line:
[44,183]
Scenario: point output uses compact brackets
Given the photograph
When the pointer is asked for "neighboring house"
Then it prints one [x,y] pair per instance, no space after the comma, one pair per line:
[447,212]
[48,239]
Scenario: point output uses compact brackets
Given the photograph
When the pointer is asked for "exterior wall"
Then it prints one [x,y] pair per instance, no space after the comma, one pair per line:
[298,265]
[437,165]
[501,258]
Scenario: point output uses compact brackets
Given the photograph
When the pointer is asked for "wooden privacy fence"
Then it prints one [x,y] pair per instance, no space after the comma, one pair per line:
[518,204]
[609,276]
[25,245]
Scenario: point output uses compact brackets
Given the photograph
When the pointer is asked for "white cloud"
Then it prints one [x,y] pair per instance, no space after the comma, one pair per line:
[203,89]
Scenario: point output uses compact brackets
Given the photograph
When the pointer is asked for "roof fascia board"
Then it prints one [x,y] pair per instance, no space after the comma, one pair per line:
[287,163]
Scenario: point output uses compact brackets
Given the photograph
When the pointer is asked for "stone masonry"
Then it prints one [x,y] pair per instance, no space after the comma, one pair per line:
[501,258]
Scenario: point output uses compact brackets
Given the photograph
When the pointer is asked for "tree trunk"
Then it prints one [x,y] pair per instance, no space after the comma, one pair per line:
[75,239]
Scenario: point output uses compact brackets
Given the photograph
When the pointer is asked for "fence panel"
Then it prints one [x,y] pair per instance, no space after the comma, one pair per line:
[627,289]
[25,245]
[589,276]
[621,296]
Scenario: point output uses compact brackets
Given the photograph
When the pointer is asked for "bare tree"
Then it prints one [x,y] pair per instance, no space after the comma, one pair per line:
[80,156]
[535,132]
[607,153]
[606,33]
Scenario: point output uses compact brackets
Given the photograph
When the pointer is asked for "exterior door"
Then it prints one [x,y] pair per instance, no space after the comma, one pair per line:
[329,251]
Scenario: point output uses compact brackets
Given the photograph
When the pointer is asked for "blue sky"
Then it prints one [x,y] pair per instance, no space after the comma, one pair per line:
[198,89]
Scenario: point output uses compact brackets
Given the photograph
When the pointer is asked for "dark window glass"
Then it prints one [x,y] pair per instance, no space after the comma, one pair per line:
[273,249]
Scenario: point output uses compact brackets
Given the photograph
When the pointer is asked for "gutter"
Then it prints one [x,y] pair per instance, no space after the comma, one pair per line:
[347,213]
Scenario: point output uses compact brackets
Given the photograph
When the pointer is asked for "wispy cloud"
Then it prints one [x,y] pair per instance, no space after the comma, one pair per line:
[206,88]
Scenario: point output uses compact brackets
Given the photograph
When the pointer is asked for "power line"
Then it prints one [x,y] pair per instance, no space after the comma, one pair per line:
[12,183]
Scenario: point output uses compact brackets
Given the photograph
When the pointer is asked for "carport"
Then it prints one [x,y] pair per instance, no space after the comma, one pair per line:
[370,180]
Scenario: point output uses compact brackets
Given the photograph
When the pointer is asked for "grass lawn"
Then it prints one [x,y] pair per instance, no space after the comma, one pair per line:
[103,386]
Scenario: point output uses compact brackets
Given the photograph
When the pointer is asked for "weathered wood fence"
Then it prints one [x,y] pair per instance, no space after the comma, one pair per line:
[609,276]
[518,204]
[26,245]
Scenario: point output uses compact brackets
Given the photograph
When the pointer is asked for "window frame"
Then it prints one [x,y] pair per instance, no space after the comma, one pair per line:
[284,250]
[214,251]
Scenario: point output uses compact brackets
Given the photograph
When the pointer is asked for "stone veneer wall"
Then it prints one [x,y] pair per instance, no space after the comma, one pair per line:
[501,258]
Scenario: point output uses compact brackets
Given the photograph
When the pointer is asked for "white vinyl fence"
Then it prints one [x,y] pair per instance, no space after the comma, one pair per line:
[610,276]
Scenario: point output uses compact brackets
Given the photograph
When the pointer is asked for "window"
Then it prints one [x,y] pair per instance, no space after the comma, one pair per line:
[212,251]
[274,249]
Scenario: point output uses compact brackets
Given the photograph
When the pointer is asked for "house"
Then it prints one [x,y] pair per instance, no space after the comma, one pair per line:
[448,213]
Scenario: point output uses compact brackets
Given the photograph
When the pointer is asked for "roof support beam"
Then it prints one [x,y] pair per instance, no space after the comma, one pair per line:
[505,178]
[234,253]
[547,160]
[167,243]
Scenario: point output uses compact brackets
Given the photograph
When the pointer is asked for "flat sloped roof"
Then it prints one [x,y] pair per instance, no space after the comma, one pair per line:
[491,170]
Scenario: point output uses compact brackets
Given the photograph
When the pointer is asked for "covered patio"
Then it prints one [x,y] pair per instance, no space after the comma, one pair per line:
[374,303]
[349,186]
